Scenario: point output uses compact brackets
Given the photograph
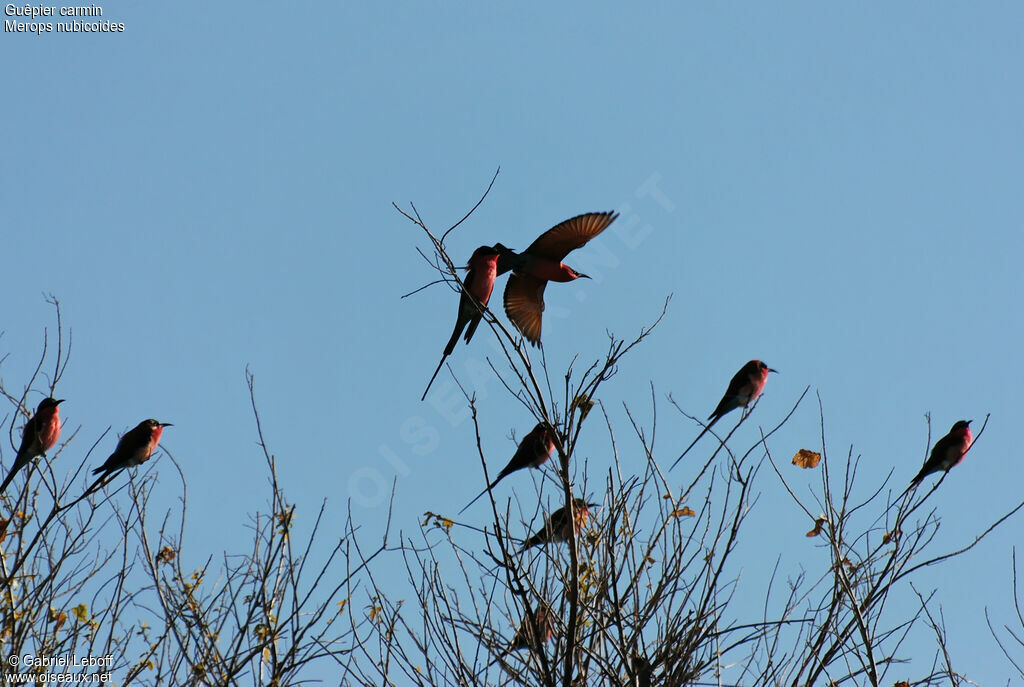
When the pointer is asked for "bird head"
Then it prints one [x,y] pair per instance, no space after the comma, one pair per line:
[153,424]
[49,403]
[961,425]
[761,367]
[483,254]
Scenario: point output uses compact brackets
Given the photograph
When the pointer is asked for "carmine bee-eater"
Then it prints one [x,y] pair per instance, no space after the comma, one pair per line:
[476,291]
[542,262]
[533,451]
[947,452]
[135,447]
[559,525]
[41,433]
[744,388]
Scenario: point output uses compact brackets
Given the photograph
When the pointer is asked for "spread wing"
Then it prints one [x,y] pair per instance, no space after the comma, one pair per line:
[524,303]
[557,242]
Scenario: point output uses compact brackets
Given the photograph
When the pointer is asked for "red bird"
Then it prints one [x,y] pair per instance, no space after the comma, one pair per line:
[557,525]
[40,434]
[541,263]
[534,450]
[135,447]
[476,291]
[744,388]
[948,451]
[524,634]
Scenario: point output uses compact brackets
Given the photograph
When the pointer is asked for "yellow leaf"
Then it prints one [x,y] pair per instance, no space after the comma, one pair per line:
[284,518]
[341,606]
[81,612]
[806,459]
[583,403]
[818,525]
[684,512]
[438,521]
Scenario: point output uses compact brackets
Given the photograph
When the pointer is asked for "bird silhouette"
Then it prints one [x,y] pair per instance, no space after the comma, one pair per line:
[558,526]
[476,291]
[533,451]
[744,388]
[135,447]
[40,434]
[947,452]
[542,262]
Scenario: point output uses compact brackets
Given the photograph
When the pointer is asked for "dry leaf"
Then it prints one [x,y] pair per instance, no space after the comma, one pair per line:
[806,459]
[684,512]
[818,525]
[58,617]
[891,536]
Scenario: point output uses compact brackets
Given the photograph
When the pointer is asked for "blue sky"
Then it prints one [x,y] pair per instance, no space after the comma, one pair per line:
[837,193]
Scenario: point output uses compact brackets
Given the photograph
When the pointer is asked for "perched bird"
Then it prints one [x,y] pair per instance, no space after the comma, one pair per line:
[542,262]
[135,447]
[642,669]
[533,451]
[542,620]
[476,291]
[557,525]
[947,452]
[40,434]
[744,389]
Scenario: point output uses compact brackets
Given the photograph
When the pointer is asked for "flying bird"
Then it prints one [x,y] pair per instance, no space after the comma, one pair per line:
[947,452]
[542,262]
[135,447]
[476,291]
[744,388]
[534,450]
[558,525]
[40,434]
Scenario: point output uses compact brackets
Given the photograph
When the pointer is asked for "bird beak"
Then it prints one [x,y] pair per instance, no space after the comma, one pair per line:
[771,370]
[580,275]
[593,505]
[57,403]
[166,424]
